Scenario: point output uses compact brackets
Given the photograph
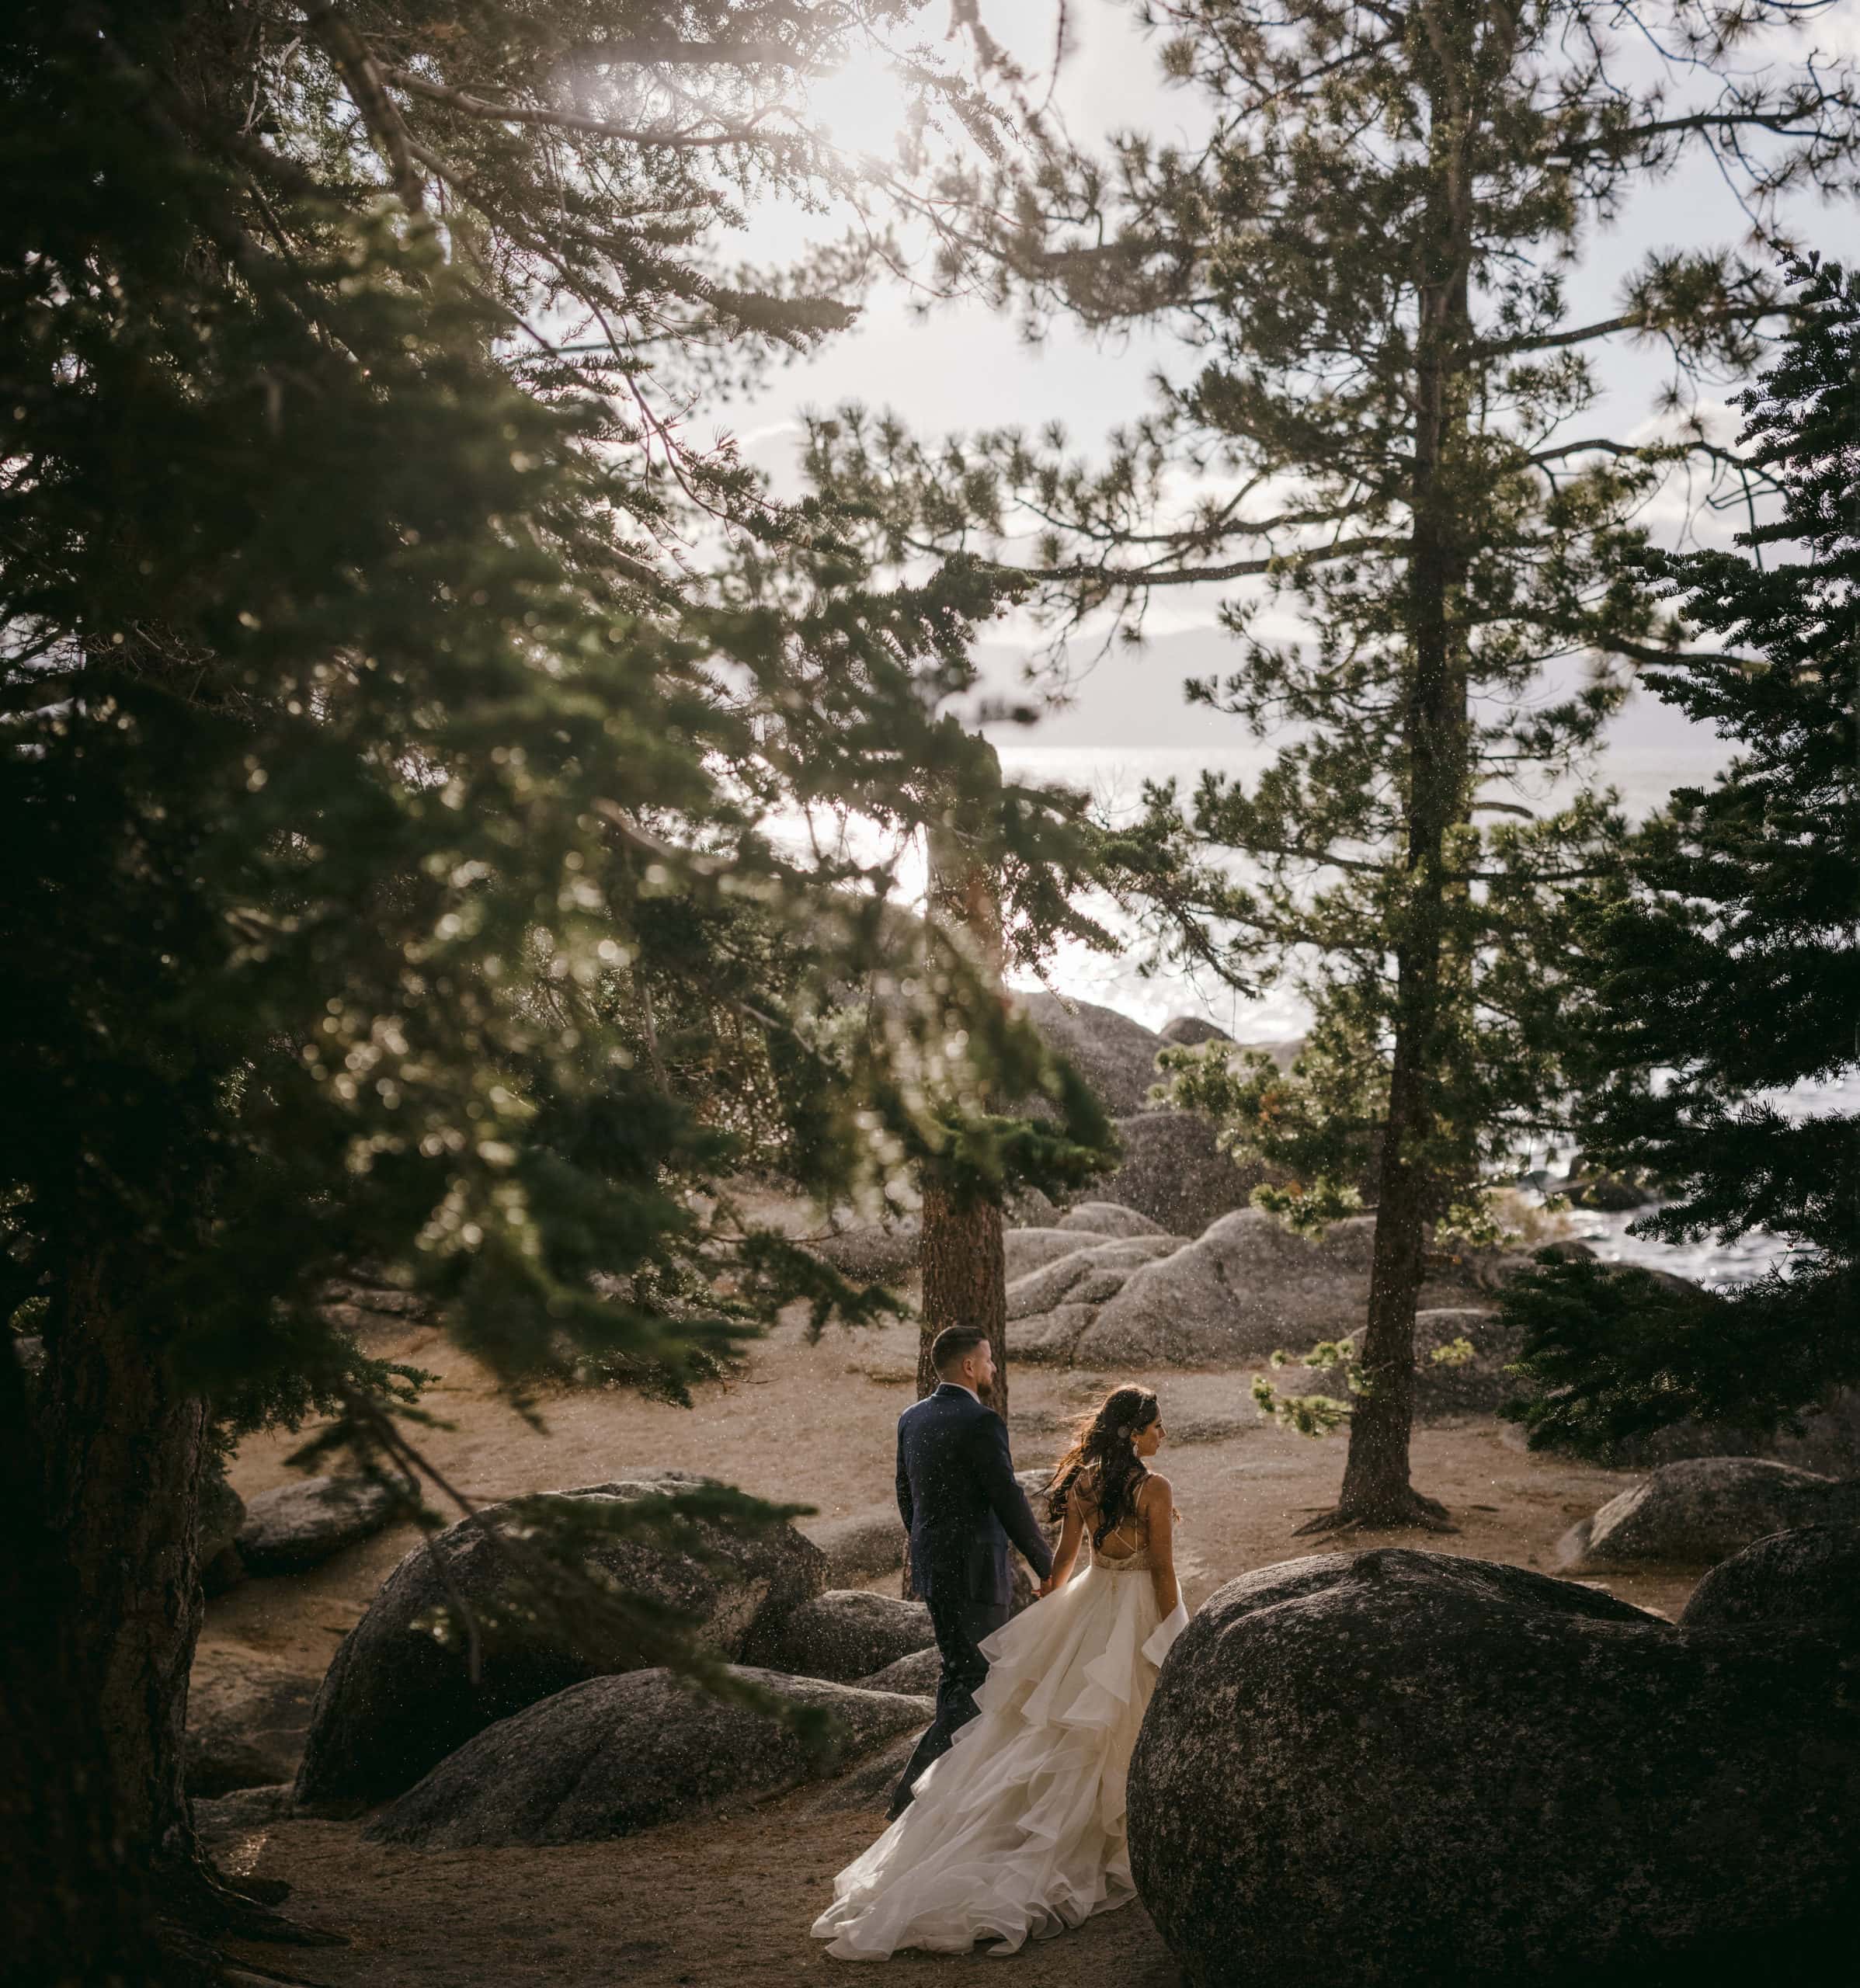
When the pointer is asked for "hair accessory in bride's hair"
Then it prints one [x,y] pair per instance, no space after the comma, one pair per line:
[1101,1473]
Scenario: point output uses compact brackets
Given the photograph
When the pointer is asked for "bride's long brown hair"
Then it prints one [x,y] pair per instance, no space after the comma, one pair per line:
[1105,1442]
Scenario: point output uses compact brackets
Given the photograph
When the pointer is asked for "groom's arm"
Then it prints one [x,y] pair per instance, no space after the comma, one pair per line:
[1009,1501]
[904,1483]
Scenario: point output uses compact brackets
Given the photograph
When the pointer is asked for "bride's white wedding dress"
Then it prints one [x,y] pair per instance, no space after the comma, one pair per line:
[1017,1832]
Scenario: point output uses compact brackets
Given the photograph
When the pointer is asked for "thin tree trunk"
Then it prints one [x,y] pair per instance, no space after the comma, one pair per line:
[1376,1488]
[962,1254]
[961,1251]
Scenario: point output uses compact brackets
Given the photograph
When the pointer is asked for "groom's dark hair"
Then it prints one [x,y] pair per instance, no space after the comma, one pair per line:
[949,1346]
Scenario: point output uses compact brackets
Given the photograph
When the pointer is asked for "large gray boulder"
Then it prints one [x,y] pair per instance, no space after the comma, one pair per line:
[1173,1171]
[1695,1513]
[293,1528]
[867,1784]
[1085,1275]
[1471,1378]
[1109,1218]
[1115,1055]
[861,1547]
[1029,1249]
[846,1633]
[247,1717]
[1049,1336]
[1403,1769]
[873,1251]
[1245,1287]
[617,1754]
[400,1695]
[915,1675]
[1809,1575]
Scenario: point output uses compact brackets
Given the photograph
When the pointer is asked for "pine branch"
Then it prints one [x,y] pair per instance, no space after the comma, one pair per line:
[1134,579]
[1780,124]
[468,105]
[331,30]
[1632,321]
[649,53]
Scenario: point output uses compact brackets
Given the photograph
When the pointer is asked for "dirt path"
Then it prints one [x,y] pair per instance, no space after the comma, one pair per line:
[723,1904]
[728,1900]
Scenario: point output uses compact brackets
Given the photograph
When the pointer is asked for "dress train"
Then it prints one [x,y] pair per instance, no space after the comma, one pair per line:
[1017,1832]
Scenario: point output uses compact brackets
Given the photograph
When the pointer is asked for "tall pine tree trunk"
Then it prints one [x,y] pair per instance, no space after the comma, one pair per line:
[124,1455]
[1376,1489]
[74,1902]
[962,1256]
[965,1266]
[124,1450]
[961,1251]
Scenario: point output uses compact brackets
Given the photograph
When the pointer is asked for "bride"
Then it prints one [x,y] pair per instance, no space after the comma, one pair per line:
[1017,1831]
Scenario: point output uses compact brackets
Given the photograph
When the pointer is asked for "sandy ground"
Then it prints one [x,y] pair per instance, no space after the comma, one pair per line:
[728,1899]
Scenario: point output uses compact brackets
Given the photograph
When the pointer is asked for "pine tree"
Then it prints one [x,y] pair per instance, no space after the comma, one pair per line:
[1387,422]
[393,800]
[1731,971]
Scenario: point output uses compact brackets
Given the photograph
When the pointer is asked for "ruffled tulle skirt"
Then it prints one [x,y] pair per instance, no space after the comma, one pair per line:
[1017,1832]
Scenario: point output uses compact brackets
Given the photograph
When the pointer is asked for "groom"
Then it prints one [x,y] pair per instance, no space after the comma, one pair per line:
[960,1505]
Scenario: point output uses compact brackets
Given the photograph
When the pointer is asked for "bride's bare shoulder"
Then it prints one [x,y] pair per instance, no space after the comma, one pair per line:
[1153,1493]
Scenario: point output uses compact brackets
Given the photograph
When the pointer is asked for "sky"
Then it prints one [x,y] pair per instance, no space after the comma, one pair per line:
[962,366]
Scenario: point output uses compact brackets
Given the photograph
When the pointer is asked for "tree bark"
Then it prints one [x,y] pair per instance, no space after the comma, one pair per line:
[124,1454]
[964,1265]
[75,1902]
[1376,1489]
[960,1249]
[962,1254]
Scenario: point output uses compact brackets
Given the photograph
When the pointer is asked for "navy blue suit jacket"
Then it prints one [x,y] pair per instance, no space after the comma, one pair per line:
[959,1502]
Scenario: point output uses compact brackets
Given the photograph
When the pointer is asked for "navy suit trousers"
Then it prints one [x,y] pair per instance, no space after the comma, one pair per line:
[960,1625]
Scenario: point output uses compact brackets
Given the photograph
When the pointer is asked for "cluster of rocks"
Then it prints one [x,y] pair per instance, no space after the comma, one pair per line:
[1168,1265]
[1487,1774]
[1391,1766]
[1404,1768]
[1107,1287]
[487,1710]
